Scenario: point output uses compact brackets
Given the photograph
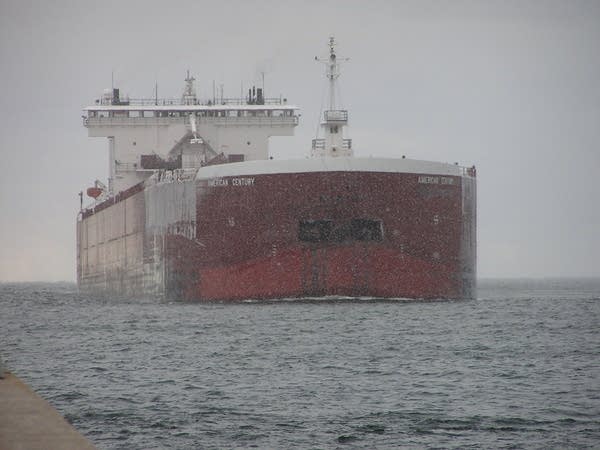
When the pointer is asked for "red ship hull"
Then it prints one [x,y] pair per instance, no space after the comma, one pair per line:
[249,242]
[286,235]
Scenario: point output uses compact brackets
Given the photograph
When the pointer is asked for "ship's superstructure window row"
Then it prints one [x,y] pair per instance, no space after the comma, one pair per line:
[187,133]
[137,113]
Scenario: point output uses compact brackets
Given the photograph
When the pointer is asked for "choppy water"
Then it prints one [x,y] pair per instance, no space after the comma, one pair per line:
[520,367]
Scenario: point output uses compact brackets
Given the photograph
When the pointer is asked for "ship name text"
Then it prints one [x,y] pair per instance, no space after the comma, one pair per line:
[218,182]
[424,179]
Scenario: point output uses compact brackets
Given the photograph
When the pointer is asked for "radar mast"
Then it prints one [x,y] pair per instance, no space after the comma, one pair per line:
[334,119]
[189,92]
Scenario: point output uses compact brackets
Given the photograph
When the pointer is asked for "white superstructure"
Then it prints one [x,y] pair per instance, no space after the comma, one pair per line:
[150,134]
[334,119]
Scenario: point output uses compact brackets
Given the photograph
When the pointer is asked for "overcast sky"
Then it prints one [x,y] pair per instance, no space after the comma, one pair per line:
[510,86]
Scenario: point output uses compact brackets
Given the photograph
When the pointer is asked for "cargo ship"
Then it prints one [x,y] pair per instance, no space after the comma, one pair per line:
[196,209]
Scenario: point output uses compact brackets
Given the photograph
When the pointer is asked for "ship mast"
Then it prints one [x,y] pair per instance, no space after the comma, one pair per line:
[334,119]
[189,93]
[333,72]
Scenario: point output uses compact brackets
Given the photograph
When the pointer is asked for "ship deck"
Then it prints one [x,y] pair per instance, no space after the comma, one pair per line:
[333,164]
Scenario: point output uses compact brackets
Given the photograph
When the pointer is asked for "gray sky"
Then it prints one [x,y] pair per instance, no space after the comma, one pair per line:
[510,86]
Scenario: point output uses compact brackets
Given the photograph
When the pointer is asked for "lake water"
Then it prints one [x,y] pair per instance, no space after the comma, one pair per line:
[519,367]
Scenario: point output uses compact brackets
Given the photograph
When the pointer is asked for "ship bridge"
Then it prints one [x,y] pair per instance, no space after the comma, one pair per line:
[145,135]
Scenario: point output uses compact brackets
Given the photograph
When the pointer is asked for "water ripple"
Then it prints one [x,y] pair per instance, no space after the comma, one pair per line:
[517,368]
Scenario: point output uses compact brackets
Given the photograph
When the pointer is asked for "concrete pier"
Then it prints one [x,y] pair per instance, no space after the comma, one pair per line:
[28,422]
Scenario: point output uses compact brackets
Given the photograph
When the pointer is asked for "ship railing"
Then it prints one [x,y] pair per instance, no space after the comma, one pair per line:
[468,171]
[226,120]
[319,144]
[183,102]
[336,115]
[252,120]
[171,176]
[138,167]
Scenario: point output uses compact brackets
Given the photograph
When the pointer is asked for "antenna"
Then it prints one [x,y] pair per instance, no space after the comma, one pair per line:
[333,70]
[189,93]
